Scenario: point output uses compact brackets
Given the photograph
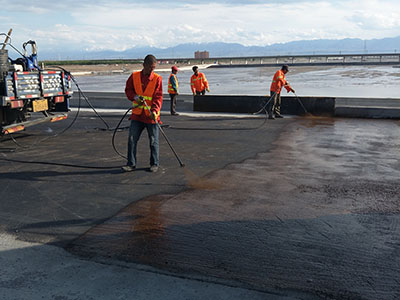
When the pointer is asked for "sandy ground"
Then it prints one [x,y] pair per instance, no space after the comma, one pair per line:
[108,69]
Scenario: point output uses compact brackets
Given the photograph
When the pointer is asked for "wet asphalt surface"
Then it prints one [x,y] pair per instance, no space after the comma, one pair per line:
[303,207]
[57,187]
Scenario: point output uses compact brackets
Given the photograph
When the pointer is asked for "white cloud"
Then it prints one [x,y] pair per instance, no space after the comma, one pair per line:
[375,21]
[120,24]
[376,18]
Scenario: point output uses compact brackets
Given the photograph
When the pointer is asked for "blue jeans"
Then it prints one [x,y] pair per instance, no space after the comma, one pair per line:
[135,130]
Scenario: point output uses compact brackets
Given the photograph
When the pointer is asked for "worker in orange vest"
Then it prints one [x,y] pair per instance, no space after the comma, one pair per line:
[173,89]
[198,82]
[279,81]
[144,86]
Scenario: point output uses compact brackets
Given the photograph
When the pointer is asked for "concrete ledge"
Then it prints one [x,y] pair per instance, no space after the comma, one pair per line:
[368,102]
[330,106]
[367,112]
[377,108]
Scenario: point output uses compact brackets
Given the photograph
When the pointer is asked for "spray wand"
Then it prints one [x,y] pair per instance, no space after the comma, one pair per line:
[301,103]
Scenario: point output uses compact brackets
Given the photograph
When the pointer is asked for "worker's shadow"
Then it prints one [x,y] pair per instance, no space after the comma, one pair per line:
[49,175]
[68,170]
[40,175]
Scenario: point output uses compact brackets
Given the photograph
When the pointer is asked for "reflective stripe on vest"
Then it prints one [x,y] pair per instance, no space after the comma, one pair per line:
[147,94]
[277,78]
[198,82]
[170,88]
[275,87]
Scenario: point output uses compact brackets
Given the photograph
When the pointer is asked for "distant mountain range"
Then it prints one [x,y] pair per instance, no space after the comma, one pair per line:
[220,49]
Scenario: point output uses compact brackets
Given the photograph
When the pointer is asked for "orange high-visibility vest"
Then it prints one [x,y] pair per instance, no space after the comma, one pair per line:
[278,82]
[198,83]
[147,94]
[170,88]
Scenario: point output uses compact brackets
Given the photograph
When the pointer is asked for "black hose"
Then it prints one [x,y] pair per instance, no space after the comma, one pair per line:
[55,164]
[89,103]
[240,128]
[84,97]
[114,133]
[265,105]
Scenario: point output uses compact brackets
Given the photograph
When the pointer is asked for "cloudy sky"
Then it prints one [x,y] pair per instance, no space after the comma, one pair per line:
[122,24]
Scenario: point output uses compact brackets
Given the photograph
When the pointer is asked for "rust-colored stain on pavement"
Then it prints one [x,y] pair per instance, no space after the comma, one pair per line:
[310,121]
[316,215]
[196,182]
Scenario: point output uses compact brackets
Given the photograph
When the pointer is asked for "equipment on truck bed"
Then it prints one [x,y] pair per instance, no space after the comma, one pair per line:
[30,95]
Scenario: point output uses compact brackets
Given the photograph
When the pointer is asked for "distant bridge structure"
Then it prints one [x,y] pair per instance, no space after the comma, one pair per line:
[293,60]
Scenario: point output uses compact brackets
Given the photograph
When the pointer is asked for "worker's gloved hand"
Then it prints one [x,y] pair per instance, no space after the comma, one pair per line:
[292,90]
[208,90]
[153,116]
[194,94]
[138,99]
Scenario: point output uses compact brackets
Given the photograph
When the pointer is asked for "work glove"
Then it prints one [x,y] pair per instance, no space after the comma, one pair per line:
[194,94]
[208,90]
[153,116]
[292,90]
[138,99]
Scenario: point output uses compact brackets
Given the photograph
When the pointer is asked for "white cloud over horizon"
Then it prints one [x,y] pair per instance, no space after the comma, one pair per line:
[122,24]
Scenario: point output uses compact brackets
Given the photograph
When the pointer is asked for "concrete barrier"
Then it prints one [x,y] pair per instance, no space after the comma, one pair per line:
[228,103]
[252,104]
[314,105]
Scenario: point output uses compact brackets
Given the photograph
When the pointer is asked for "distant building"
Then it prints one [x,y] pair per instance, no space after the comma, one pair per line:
[201,54]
